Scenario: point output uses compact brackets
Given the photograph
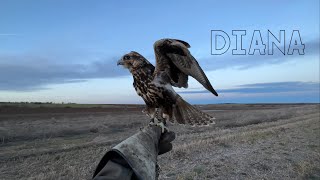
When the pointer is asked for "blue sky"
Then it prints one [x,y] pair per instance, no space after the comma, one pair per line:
[66,51]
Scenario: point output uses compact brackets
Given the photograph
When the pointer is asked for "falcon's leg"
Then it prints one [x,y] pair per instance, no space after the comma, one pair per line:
[160,124]
[149,111]
[157,122]
[145,111]
[166,118]
[152,115]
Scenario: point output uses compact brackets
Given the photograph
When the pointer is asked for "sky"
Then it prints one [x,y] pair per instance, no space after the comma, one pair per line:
[66,51]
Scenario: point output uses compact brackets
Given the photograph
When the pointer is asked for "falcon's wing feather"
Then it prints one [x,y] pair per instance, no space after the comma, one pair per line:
[176,51]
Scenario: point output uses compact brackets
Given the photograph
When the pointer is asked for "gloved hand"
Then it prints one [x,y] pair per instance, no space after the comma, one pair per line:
[138,153]
[165,140]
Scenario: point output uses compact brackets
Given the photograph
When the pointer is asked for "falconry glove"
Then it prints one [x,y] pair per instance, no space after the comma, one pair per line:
[135,157]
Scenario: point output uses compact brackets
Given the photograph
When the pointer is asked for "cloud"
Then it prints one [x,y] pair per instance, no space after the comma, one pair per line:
[274,92]
[274,87]
[34,73]
[30,73]
[215,62]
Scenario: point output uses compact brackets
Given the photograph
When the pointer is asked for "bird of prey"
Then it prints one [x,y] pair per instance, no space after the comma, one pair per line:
[174,63]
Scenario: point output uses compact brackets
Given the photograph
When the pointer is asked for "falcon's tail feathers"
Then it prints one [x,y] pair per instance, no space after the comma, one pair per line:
[185,113]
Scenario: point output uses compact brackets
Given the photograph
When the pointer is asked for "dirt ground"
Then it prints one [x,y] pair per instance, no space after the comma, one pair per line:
[258,141]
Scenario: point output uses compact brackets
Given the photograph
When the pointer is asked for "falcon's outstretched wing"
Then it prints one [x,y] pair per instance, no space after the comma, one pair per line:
[173,56]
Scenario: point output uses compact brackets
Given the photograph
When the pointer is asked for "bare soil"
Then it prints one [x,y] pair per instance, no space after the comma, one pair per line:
[255,141]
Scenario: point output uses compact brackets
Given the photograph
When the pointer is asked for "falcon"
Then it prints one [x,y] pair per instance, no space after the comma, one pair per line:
[174,63]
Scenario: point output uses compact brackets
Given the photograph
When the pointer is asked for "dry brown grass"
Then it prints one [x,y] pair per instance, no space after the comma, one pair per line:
[247,142]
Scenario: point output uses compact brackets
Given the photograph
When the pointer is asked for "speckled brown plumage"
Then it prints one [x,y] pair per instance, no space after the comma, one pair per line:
[174,64]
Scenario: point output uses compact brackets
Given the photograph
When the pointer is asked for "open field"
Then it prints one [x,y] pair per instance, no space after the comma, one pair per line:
[258,141]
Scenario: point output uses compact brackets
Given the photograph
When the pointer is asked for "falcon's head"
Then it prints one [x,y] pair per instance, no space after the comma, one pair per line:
[133,60]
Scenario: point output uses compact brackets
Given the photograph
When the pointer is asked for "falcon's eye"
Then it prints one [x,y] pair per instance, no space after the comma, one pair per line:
[126,57]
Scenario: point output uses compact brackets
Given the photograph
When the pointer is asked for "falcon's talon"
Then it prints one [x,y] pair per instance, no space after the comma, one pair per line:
[152,123]
[163,127]
[156,122]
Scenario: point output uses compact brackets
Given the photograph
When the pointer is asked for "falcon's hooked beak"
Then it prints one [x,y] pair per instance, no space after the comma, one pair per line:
[120,62]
